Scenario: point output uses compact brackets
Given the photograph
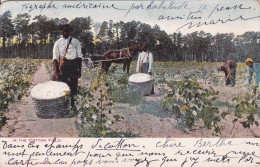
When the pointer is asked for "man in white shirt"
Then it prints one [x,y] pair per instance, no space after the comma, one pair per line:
[145,62]
[67,59]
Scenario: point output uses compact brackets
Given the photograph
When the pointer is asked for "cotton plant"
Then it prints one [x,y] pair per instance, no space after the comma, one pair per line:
[16,77]
[188,102]
[247,111]
[95,108]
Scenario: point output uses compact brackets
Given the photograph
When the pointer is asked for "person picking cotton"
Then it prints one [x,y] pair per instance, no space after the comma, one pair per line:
[253,67]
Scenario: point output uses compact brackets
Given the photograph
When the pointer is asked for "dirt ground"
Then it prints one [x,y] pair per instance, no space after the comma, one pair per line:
[23,121]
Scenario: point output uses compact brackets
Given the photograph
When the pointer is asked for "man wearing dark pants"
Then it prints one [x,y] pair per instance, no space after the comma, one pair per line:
[67,59]
[229,69]
[144,62]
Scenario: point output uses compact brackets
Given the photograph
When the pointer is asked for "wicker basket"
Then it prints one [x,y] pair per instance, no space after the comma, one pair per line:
[52,108]
[51,99]
[141,88]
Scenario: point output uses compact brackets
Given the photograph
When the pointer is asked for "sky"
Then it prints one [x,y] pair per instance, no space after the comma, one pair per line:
[233,16]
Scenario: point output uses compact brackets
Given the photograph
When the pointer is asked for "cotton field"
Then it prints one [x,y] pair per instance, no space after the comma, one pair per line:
[191,99]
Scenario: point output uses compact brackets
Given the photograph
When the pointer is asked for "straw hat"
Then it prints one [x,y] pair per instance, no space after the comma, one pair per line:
[249,60]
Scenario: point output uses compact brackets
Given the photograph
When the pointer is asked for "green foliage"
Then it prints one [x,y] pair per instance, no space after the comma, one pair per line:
[122,81]
[15,79]
[195,46]
[246,111]
[189,101]
[117,80]
[203,72]
[95,108]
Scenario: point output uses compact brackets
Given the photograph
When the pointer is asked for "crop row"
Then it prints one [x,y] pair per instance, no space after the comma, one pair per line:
[15,79]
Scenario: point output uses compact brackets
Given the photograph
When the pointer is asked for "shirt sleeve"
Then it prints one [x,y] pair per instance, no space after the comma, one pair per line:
[78,49]
[150,62]
[56,53]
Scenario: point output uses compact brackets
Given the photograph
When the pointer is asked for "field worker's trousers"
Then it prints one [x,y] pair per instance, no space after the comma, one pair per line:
[232,79]
[256,70]
[73,84]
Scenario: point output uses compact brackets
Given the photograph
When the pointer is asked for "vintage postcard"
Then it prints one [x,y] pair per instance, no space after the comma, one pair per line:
[130,83]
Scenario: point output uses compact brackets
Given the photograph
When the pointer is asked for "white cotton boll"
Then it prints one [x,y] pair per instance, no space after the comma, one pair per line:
[194,113]
[108,123]
[140,77]
[94,117]
[86,106]
[80,114]
[11,77]
[50,90]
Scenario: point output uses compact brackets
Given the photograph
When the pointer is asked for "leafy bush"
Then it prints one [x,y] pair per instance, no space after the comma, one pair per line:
[117,80]
[95,108]
[189,101]
[15,79]
[246,111]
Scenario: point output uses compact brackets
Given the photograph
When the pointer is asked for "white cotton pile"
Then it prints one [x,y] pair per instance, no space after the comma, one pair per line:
[50,90]
[140,77]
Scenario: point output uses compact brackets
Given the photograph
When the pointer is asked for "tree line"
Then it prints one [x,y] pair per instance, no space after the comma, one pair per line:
[27,37]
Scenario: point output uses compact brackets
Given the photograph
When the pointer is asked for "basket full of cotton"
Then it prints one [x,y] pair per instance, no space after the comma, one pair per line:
[51,99]
[141,83]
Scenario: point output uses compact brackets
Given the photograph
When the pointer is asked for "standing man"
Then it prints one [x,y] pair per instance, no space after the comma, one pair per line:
[229,69]
[253,68]
[67,60]
[145,62]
